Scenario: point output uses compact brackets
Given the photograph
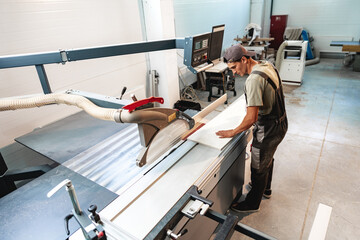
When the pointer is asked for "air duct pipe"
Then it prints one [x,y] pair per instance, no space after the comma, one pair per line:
[281,49]
[279,53]
[314,60]
[108,114]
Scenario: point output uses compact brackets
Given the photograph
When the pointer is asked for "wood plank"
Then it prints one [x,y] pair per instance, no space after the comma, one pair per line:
[351,48]
[230,118]
[256,40]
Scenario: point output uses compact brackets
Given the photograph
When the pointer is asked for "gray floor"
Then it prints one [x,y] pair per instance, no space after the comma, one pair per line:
[317,162]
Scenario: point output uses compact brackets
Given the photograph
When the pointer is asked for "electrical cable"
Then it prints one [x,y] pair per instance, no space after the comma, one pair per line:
[188,92]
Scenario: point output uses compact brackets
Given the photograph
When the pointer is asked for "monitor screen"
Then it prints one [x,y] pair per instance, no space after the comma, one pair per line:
[216,42]
[203,43]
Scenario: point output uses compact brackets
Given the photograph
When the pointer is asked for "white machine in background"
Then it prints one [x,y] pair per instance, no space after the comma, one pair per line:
[290,61]
[253,30]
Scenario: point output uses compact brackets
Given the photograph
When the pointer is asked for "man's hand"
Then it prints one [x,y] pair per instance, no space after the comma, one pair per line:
[250,118]
[226,133]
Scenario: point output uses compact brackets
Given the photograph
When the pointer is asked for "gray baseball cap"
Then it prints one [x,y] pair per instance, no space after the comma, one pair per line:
[236,52]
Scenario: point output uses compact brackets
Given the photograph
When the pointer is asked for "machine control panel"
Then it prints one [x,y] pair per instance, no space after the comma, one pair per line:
[200,49]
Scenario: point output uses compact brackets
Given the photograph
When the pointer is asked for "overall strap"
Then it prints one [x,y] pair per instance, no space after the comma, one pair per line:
[265,76]
[278,113]
[277,73]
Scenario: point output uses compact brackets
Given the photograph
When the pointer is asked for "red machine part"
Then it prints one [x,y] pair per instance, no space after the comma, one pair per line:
[132,106]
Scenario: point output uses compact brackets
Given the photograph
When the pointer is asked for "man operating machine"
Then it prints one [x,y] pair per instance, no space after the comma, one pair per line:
[266,111]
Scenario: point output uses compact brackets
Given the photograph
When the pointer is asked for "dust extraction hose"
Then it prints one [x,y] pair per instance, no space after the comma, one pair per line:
[279,53]
[108,114]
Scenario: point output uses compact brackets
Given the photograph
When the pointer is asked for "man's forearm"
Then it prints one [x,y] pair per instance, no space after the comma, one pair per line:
[244,125]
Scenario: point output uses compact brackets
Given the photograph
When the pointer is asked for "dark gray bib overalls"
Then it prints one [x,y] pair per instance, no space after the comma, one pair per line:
[268,132]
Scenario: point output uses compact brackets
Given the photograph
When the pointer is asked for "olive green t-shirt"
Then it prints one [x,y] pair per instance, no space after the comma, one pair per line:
[258,91]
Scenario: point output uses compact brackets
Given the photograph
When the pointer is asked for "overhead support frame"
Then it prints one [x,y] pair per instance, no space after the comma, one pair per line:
[62,56]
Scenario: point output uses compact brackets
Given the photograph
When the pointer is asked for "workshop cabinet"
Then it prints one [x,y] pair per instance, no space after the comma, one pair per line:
[277,29]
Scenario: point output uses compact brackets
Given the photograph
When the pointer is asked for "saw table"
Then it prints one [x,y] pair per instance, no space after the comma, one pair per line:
[138,198]
[215,166]
[350,46]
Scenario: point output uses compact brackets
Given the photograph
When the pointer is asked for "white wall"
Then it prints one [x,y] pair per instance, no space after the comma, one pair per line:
[260,11]
[197,17]
[326,20]
[159,24]
[40,26]
[257,8]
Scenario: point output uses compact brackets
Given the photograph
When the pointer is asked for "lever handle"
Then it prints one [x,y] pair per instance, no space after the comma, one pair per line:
[66,223]
[183,232]
[92,208]
[132,106]
[122,92]
[133,97]
[57,187]
[71,190]
[174,236]
[94,215]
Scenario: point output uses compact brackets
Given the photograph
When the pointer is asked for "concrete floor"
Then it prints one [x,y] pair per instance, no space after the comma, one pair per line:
[317,162]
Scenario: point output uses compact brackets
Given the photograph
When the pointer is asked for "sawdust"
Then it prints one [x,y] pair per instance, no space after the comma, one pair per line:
[293,96]
[295,101]
[289,88]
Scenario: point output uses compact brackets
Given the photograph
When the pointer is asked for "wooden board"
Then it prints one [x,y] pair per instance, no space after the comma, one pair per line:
[228,119]
[351,48]
[256,39]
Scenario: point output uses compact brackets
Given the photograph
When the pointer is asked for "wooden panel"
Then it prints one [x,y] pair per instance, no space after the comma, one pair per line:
[351,48]
[228,119]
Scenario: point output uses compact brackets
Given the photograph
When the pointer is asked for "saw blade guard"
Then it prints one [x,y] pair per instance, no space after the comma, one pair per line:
[151,121]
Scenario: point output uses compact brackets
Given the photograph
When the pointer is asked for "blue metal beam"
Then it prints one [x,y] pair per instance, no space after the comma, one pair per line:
[39,59]
[43,78]
[88,53]
[30,59]
[123,49]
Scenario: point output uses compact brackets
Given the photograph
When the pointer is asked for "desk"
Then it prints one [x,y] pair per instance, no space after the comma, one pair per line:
[218,76]
[259,45]
[259,50]
[350,46]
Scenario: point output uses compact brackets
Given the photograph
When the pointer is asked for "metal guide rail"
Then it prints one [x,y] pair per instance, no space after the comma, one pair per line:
[190,205]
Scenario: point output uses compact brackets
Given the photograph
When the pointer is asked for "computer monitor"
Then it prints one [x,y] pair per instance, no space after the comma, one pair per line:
[216,42]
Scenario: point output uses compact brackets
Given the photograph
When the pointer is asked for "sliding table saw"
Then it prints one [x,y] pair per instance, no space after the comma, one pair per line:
[185,168]
[146,196]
